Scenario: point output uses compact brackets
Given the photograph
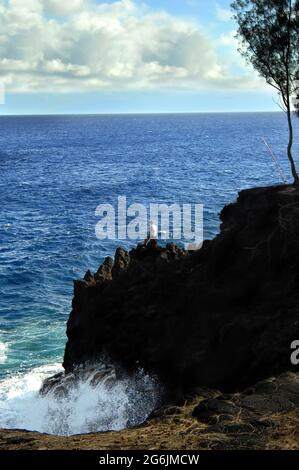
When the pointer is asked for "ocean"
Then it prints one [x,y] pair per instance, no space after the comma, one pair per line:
[54,172]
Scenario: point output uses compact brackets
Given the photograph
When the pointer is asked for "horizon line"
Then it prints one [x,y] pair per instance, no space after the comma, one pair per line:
[139,113]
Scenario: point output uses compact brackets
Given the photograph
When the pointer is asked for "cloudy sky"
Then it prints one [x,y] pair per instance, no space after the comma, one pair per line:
[94,56]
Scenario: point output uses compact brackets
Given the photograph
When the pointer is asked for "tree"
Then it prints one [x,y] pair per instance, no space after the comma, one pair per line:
[296,101]
[268,33]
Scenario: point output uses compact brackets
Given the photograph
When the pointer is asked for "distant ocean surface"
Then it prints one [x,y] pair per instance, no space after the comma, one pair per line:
[55,171]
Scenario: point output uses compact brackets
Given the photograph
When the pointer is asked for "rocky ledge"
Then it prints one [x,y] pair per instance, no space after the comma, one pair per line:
[264,416]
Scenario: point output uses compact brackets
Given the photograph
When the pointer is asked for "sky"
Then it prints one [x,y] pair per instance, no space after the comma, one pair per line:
[124,56]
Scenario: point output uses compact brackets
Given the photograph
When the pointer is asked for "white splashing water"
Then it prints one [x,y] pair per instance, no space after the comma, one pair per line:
[85,409]
[3,351]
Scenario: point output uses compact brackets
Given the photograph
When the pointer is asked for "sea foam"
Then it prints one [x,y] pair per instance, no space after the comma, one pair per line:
[3,352]
[86,408]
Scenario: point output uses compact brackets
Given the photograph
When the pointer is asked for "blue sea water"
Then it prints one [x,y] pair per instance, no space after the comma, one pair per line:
[55,171]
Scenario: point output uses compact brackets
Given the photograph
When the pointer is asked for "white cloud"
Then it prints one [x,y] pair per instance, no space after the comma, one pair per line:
[229,39]
[223,14]
[63,7]
[46,45]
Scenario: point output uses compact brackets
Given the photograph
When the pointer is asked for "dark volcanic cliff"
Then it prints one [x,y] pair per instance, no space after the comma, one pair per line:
[223,316]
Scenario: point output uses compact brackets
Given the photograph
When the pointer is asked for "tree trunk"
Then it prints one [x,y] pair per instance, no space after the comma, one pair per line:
[290,54]
[290,145]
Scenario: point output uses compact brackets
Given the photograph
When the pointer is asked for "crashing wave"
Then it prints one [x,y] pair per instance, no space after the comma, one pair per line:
[87,401]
